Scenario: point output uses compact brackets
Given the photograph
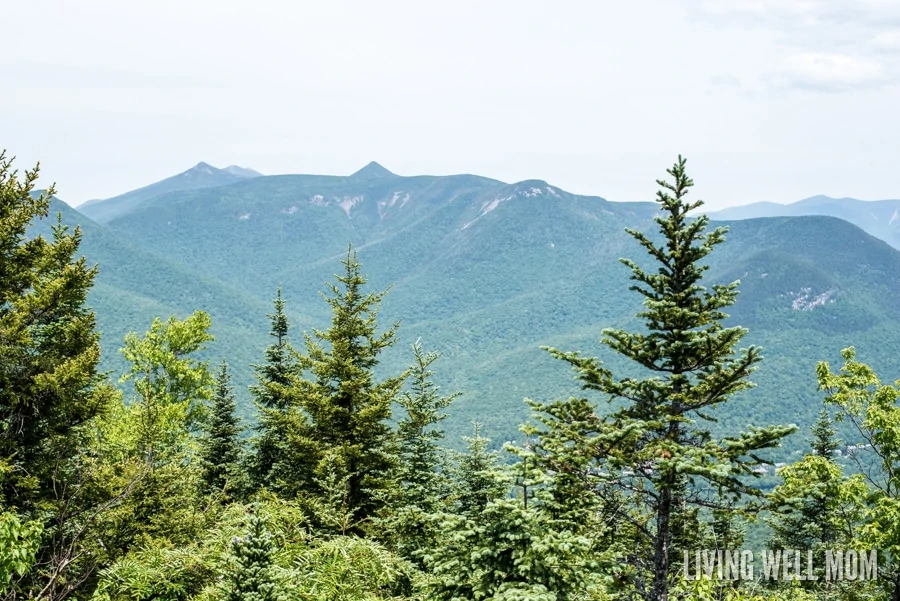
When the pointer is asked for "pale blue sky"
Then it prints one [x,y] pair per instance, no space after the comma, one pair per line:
[769,99]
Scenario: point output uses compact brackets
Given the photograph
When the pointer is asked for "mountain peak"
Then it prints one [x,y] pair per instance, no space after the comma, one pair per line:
[372,171]
[202,167]
[242,171]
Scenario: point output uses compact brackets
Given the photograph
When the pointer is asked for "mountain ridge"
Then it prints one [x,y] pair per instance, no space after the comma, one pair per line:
[201,175]
[881,218]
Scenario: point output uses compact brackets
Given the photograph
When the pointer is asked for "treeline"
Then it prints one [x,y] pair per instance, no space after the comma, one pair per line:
[342,490]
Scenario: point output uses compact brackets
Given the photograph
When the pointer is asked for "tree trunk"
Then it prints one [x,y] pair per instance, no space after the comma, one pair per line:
[660,589]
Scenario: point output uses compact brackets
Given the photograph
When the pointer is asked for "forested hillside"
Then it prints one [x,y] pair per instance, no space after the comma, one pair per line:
[485,271]
[881,218]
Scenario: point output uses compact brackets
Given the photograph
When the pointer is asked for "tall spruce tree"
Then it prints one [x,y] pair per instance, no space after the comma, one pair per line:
[656,434]
[220,453]
[422,476]
[340,406]
[477,478]
[421,467]
[51,395]
[272,397]
[50,388]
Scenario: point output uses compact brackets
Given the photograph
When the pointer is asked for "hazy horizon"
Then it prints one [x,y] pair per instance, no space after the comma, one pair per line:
[769,101]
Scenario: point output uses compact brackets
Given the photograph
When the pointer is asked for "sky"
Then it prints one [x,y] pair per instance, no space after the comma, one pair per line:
[769,100]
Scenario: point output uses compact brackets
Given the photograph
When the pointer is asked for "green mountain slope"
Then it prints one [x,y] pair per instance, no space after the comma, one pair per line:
[200,175]
[488,272]
[881,218]
[133,286]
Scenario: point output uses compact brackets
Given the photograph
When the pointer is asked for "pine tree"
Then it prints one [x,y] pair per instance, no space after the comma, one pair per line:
[538,544]
[252,578]
[824,442]
[422,478]
[340,406]
[272,395]
[478,479]
[815,508]
[220,452]
[50,388]
[421,470]
[655,435]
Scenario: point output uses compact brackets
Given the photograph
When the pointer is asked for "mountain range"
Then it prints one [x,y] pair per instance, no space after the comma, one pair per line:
[881,218]
[484,271]
[201,175]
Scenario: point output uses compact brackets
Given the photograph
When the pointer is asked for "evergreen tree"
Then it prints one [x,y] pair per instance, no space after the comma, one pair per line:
[652,437]
[51,396]
[539,544]
[422,479]
[252,577]
[477,478]
[272,395]
[421,467]
[50,388]
[220,452]
[815,508]
[340,406]
[824,442]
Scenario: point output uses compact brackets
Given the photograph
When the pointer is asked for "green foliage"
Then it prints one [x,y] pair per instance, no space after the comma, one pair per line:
[51,396]
[341,408]
[511,551]
[352,569]
[270,466]
[19,542]
[419,453]
[652,444]
[708,589]
[49,348]
[171,386]
[422,479]
[252,578]
[816,506]
[860,398]
[305,568]
[477,479]
[220,451]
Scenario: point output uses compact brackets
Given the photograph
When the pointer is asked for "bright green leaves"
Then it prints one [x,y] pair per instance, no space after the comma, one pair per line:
[171,386]
[19,542]
[871,407]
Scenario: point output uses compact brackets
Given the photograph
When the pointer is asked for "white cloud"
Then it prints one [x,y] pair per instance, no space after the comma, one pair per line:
[825,45]
[829,72]
[794,14]
[887,40]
